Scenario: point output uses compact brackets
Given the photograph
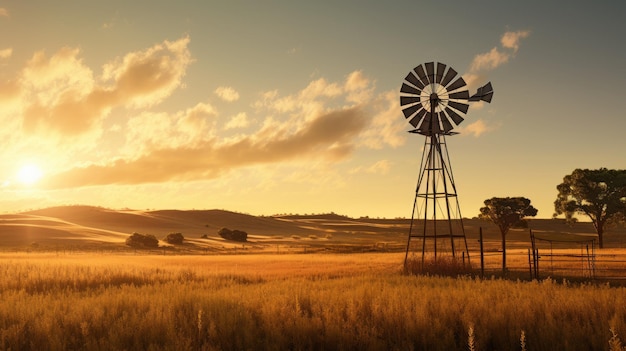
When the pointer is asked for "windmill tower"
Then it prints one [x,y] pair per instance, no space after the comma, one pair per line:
[433,100]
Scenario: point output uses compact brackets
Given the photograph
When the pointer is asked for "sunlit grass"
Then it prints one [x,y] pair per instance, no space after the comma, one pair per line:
[298,302]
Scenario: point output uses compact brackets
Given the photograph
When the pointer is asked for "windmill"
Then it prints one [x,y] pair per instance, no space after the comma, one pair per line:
[433,101]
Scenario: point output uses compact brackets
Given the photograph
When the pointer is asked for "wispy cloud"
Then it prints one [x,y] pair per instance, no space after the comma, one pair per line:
[227,94]
[324,122]
[4,12]
[485,62]
[510,40]
[6,53]
[61,94]
[239,120]
[478,127]
[64,105]
[326,136]
[494,58]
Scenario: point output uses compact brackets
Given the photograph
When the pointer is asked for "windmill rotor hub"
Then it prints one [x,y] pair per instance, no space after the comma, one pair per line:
[434,99]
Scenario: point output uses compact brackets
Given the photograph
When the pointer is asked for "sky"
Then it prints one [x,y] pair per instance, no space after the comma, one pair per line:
[273,107]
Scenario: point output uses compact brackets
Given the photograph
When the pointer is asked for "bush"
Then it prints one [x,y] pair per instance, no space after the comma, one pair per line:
[137,240]
[174,238]
[234,235]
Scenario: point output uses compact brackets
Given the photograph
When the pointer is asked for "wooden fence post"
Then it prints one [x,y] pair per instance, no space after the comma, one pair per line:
[530,265]
[482,253]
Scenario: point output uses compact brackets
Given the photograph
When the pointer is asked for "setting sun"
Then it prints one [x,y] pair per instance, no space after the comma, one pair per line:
[29,174]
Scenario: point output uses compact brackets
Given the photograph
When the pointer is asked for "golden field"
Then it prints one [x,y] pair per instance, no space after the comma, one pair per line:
[87,301]
[68,282]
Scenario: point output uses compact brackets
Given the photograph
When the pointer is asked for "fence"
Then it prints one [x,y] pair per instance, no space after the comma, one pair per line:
[554,255]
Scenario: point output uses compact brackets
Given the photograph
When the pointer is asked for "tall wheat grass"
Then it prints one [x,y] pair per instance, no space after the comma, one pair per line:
[289,302]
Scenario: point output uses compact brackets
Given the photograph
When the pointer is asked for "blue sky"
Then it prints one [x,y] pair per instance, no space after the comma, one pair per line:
[292,107]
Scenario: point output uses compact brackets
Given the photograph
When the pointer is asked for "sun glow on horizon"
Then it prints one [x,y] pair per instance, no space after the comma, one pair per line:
[29,174]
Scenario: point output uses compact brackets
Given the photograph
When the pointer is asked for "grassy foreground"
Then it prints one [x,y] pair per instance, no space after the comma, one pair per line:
[289,302]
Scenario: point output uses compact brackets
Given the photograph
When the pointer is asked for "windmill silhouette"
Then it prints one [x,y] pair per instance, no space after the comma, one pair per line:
[433,100]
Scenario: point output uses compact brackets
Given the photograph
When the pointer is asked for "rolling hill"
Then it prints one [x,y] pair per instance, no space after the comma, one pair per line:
[87,227]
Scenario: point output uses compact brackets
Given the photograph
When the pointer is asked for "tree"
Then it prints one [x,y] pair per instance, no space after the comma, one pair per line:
[234,235]
[137,240]
[506,213]
[174,238]
[599,194]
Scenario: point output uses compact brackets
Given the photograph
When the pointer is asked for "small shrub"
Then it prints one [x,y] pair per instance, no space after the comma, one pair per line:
[137,240]
[234,235]
[174,238]
[204,236]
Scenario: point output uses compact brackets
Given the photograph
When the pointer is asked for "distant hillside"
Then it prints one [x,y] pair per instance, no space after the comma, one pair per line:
[88,227]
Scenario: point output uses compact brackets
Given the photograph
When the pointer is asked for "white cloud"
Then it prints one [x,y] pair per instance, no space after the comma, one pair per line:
[489,60]
[227,94]
[386,123]
[485,62]
[240,120]
[478,128]
[60,94]
[510,40]
[145,78]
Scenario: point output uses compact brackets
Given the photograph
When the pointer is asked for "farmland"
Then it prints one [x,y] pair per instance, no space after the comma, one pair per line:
[321,282]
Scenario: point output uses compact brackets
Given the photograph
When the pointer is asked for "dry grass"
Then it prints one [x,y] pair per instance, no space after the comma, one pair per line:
[297,302]
[126,300]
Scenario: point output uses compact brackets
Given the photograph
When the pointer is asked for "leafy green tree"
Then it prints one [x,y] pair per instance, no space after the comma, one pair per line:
[599,194]
[506,213]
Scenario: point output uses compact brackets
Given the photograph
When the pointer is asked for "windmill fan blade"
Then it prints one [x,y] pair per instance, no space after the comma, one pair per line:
[458,106]
[459,83]
[409,111]
[418,117]
[447,126]
[430,71]
[409,89]
[420,73]
[460,95]
[449,76]
[405,100]
[434,98]
[440,69]
[456,118]
[411,78]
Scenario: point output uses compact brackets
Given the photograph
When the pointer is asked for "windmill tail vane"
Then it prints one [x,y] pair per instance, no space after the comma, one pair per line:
[484,93]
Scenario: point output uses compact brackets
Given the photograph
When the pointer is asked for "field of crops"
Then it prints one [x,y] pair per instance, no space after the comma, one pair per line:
[289,302]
